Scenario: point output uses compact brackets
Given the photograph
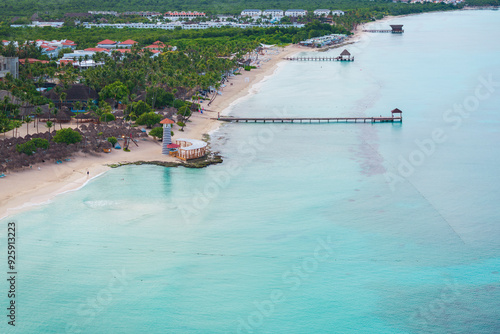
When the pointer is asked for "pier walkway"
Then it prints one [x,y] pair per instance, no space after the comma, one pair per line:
[320,58]
[311,119]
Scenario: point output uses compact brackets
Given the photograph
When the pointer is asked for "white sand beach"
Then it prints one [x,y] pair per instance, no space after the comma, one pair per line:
[22,189]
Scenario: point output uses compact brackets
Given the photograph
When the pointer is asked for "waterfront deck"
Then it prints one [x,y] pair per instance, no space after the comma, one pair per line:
[311,119]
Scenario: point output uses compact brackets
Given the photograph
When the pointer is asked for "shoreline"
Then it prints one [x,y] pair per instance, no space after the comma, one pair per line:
[24,189]
[27,188]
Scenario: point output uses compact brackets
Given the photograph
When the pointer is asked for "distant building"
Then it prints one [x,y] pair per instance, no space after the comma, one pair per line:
[183,15]
[321,12]
[275,13]
[95,50]
[224,18]
[127,44]
[254,13]
[9,65]
[103,12]
[76,14]
[107,44]
[296,12]
[143,14]
[55,24]
[337,12]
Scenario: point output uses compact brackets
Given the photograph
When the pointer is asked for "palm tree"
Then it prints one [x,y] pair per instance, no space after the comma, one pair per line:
[62,98]
[49,125]
[28,121]
[78,106]
[38,113]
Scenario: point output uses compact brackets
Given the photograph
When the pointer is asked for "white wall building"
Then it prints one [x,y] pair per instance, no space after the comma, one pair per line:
[321,12]
[337,12]
[296,12]
[275,13]
[9,65]
[255,13]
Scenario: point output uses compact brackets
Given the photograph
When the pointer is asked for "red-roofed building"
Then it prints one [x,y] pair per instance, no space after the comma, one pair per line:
[159,43]
[184,15]
[63,62]
[33,60]
[123,51]
[107,43]
[127,44]
[97,50]
[70,45]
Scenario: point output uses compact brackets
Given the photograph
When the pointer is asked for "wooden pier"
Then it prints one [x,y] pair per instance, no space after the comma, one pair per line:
[344,56]
[320,58]
[395,29]
[311,119]
[377,30]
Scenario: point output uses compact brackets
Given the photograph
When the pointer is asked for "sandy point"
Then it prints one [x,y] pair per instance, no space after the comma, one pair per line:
[40,183]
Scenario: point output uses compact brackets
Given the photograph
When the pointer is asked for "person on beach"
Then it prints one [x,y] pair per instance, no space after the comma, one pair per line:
[87,173]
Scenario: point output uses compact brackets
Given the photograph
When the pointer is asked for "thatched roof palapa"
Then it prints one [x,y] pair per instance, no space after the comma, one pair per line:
[76,92]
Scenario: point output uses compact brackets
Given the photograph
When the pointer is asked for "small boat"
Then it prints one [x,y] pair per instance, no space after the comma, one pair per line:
[106,150]
[58,162]
[2,175]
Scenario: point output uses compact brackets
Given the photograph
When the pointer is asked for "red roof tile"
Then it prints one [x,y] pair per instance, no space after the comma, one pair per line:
[97,49]
[106,41]
[128,42]
[167,121]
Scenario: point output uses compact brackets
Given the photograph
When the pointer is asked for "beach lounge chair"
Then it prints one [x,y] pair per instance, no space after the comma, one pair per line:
[58,162]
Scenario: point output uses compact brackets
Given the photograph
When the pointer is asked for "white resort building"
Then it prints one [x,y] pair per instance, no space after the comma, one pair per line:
[255,13]
[274,13]
[321,12]
[296,12]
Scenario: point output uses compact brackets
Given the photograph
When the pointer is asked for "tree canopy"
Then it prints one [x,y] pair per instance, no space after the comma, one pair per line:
[67,136]
[149,119]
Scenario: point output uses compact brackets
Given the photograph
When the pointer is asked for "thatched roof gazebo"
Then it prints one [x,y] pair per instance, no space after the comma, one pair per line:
[74,93]
[345,55]
[397,28]
[398,113]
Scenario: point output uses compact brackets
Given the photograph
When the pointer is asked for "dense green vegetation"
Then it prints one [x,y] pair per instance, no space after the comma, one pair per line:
[228,38]
[31,146]
[57,8]
[67,136]
[156,132]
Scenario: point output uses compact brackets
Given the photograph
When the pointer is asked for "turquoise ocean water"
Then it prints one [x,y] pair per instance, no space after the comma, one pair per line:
[313,228]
